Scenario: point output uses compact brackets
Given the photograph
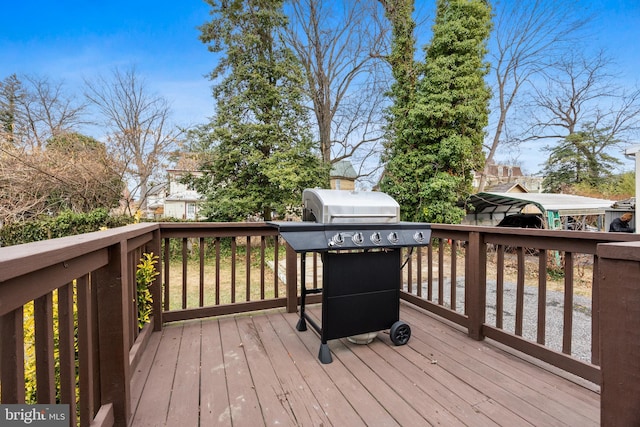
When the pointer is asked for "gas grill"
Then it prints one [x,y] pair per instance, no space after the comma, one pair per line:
[359,236]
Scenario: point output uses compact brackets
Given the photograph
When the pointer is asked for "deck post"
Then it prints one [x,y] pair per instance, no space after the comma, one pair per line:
[292,280]
[619,270]
[476,285]
[155,246]
[113,333]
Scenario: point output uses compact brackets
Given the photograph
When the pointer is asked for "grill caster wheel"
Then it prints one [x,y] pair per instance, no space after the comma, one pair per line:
[400,333]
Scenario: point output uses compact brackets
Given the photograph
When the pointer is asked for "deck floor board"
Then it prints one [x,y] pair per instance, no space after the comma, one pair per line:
[257,369]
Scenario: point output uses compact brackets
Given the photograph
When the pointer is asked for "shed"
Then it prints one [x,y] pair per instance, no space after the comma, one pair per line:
[558,211]
[343,175]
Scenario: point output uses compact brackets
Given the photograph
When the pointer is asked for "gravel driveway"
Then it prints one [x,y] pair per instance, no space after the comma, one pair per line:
[581,337]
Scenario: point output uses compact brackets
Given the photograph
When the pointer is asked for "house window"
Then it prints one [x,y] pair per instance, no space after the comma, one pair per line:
[337,184]
[191,211]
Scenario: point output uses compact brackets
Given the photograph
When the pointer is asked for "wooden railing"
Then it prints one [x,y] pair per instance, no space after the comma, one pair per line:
[96,273]
[215,269]
[534,257]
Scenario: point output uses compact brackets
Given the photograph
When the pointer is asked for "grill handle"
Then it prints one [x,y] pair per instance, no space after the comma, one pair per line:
[359,216]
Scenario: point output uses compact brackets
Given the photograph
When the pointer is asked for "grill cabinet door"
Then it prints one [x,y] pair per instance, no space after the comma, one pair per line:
[361,292]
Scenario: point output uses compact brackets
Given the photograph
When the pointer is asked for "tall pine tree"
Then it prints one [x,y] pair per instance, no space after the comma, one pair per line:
[432,157]
[258,150]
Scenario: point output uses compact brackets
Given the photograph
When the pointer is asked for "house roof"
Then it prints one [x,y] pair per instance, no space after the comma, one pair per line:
[343,169]
[511,203]
[509,187]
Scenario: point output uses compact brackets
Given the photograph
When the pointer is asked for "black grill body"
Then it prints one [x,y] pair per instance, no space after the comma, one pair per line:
[361,292]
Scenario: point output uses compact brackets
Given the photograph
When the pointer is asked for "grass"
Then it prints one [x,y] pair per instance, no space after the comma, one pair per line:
[222,290]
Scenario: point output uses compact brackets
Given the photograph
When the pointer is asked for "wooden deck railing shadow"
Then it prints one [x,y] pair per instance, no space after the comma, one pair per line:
[212,269]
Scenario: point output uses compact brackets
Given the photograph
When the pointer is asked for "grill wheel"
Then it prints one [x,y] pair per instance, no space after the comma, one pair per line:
[400,333]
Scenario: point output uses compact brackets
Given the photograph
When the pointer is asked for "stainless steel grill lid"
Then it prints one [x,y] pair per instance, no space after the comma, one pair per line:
[346,207]
[335,219]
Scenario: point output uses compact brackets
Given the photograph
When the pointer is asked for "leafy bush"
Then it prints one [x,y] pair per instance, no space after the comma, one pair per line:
[66,224]
[145,274]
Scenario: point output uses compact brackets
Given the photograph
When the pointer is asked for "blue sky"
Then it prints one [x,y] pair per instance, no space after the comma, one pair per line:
[72,40]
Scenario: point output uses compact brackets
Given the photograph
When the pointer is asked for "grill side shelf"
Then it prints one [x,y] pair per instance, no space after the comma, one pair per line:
[319,237]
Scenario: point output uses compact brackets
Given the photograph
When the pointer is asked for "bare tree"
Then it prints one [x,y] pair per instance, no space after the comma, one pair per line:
[339,45]
[36,108]
[589,115]
[582,90]
[528,35]
[140,129]
[74,172]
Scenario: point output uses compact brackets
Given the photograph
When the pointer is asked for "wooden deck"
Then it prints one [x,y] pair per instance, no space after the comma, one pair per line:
[251,370]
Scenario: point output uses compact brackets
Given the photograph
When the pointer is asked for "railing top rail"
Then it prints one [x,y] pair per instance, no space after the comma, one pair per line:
[22,259]
[215,225]
[216,229]
[600,237]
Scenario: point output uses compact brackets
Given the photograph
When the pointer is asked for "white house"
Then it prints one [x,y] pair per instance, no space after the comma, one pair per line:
[174,199]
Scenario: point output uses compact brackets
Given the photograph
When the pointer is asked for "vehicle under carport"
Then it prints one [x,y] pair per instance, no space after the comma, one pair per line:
[558,211]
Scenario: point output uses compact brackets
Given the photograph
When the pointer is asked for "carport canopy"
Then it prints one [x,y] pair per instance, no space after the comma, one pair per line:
[495,206]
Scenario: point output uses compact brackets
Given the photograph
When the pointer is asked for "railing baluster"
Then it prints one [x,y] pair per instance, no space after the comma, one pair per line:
[248,272]
[567,330]
[595,312]
[233,269]
[440,271]
[133,260]
[454,270]
[85,350]
[500,286]
[292,279]
[66,349]
[45,371]
[419,268]
[276,267]
[542,297]
[95,342]
[217,270]
[201,248]
[185,260]
[263,244]
[520,291]
[430,272]
[167,269]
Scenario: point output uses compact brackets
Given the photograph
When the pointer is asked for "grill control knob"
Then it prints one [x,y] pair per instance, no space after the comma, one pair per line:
[376,239]
[393,237]
[358,238]
[418,236]
[337,240]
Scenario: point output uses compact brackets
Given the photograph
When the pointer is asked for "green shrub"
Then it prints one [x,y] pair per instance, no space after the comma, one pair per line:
[145,274]
[68,223]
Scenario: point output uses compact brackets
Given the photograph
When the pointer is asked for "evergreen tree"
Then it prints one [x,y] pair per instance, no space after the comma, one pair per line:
[431,162]
[403,68]
[257,152]
[581,158]
[10,91]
